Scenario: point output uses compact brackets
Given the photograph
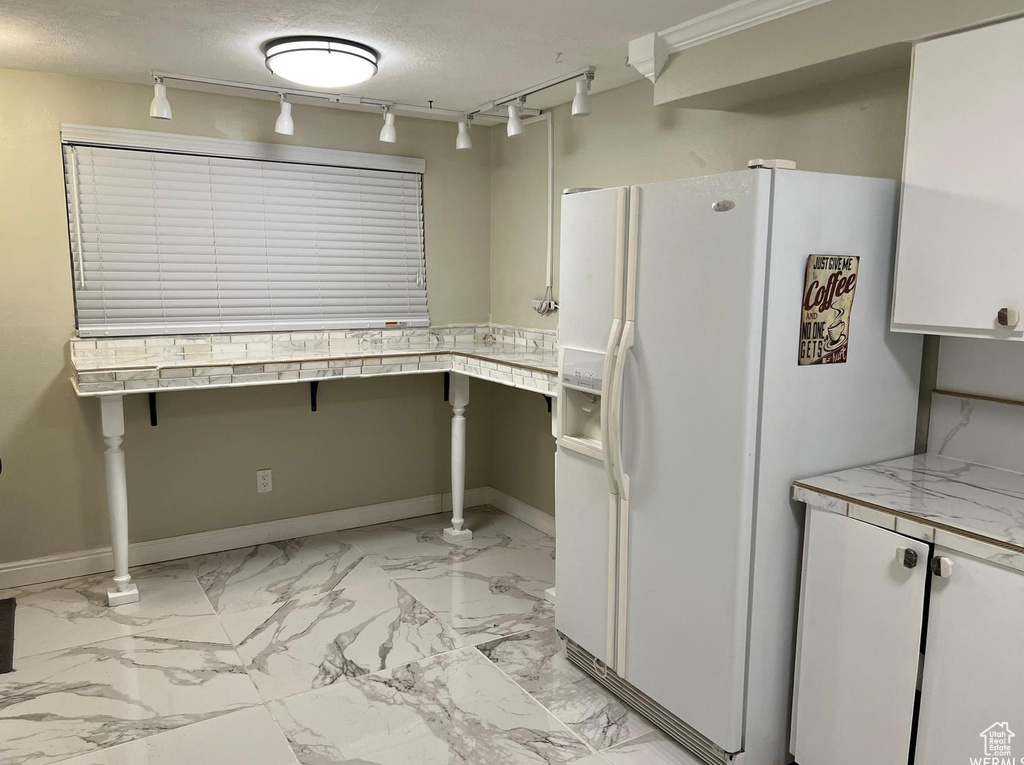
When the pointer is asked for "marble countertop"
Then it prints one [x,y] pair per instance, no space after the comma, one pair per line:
[520,358]
[979,502]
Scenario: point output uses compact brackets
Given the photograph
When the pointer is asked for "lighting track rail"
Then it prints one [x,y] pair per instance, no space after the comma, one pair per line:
[487,113]
[341,99]
[586,73]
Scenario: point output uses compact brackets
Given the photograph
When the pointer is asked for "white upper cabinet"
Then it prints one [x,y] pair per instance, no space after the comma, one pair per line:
[961,243]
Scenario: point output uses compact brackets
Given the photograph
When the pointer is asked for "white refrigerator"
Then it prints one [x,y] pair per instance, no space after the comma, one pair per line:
[719,337]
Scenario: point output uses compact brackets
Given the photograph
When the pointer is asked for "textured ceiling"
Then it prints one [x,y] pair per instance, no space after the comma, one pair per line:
[456,52]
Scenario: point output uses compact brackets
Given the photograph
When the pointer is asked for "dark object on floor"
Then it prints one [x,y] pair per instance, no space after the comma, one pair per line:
[6,635]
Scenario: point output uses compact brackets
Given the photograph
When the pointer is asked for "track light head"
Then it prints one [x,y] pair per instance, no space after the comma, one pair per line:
[462,140]
[581,102]
[285,125]
[159,107]
[388,133]
[515,122]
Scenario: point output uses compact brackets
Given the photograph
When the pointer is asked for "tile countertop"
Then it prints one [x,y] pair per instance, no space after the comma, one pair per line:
[952,497]
[526,359]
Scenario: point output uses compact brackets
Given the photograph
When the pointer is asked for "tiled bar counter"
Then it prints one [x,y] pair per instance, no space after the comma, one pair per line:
[111,368]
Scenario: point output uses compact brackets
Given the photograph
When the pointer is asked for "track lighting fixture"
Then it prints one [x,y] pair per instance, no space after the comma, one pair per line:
[462,140]
[388,133]
[159,107]
[515,122]
[581,102]
[285,125]
[308,51]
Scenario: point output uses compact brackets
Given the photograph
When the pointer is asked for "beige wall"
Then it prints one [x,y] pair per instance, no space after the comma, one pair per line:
[370,442]
[522,449]
[855,127]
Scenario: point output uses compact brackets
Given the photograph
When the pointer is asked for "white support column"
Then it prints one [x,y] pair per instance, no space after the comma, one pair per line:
[112,413]
[458,396]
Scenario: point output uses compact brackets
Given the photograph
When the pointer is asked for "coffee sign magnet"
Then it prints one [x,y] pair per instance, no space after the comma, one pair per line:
[829,286]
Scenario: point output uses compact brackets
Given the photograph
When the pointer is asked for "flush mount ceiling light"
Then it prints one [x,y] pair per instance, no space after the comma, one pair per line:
[321,62]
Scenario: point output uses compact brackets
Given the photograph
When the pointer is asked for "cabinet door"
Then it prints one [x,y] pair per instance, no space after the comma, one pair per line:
[861,613]
[974,661]
[961,242]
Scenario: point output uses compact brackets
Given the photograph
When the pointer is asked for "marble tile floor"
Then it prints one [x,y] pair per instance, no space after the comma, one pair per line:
[382,645]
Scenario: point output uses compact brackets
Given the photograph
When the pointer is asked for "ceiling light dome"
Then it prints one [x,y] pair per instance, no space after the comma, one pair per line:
[321,62]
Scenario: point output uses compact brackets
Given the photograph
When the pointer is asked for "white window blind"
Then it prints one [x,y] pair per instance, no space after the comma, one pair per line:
[167,242]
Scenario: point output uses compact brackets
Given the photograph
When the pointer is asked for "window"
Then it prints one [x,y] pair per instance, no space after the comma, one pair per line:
[239,237]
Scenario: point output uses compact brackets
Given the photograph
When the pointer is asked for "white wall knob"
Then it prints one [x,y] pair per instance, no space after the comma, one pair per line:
[1008,317]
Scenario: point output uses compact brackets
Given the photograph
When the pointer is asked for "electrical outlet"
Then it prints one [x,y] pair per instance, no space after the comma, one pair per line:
[264,481]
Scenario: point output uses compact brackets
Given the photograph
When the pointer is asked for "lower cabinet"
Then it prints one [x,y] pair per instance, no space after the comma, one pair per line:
[861,613]
[903,645]
[972,689]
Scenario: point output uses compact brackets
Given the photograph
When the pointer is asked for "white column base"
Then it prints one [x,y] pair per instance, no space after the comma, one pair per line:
[123,597]
[455,536]
[549,595]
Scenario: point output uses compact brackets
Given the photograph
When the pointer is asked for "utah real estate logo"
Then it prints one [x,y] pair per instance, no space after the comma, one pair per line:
[998,740]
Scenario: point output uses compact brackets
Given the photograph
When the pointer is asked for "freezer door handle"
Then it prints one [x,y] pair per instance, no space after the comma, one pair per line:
[606,406]
[615,442]
[632,243]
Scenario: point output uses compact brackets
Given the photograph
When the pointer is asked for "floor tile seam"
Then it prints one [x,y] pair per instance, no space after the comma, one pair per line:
[631,739]
[561,722]
[305,597]
[143,633]
[365,553]
[234,647]
[180,728]
[265,700]
[376,672]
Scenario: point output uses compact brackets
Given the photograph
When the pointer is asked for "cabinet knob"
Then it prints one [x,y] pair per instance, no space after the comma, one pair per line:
[907,557]
[942,567]
[1008,317]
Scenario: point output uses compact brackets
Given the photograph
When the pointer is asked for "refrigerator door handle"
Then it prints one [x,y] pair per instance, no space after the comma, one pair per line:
[606,406]
[615,443]
[626,343]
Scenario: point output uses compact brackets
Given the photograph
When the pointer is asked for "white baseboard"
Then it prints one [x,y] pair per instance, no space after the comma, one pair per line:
[98,560]
[528,514]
